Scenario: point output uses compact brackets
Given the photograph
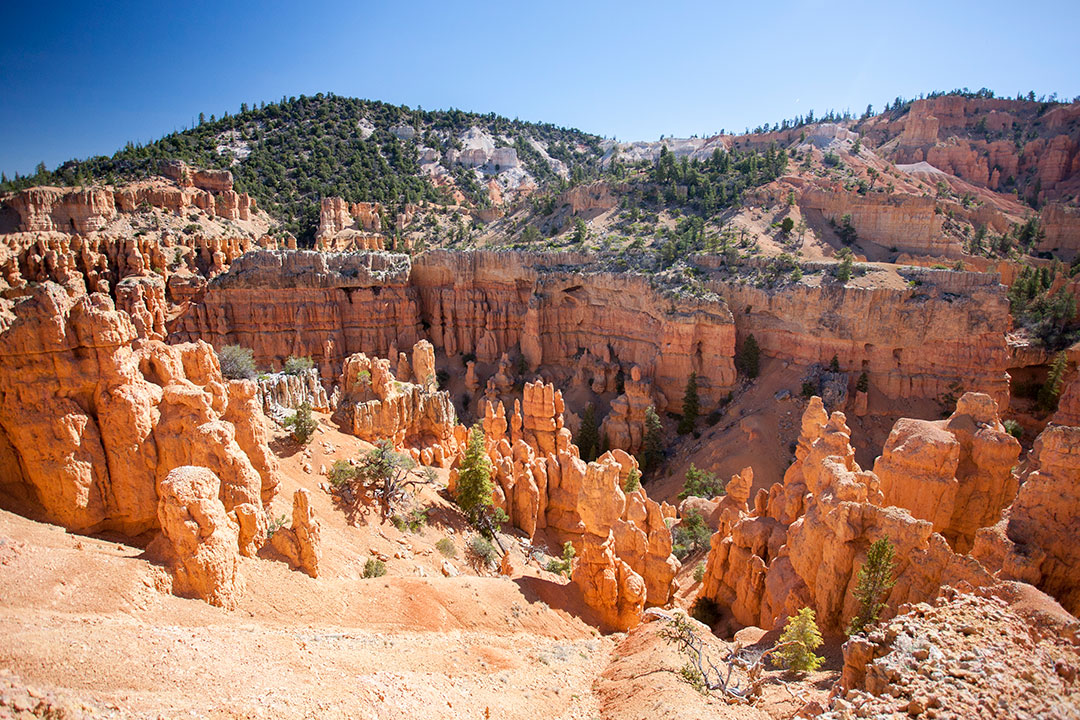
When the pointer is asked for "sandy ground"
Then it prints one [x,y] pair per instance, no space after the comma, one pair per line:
[88,629]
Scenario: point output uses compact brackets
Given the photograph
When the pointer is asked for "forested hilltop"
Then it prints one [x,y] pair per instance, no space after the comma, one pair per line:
[290,154]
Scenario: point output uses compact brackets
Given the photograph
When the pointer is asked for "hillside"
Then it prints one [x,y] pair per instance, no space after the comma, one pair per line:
[288,155]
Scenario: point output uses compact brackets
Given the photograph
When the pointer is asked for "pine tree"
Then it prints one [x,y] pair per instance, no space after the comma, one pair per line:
[653,451]
[874,581]
[749,357]
[302,424]
[834,364]
[798,642]
[588,439]
[690,406]
[1055,380]
[474,486]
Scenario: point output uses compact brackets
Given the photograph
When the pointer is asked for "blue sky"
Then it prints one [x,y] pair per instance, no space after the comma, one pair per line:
[79,79]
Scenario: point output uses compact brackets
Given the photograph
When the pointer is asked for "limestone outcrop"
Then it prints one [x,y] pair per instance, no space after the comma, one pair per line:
[92,421]
[956,473]
[1036,541]
[805,540]
[375,406]
[281,393]
[301,542]
[623,544]
[200,538]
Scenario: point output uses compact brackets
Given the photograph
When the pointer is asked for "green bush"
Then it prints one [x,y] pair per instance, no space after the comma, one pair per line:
[302,424]
[1013,428]
[480,553]
[701,483]
[237,362]
[809,389]
[296,365]
[690,535]
[798,642]
[374,568]
[633,481]
[699,571]
[447,548]
[565,565]
[748,359]
[872,585]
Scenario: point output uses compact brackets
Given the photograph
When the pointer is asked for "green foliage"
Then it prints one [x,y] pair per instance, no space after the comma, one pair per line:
[690,406]
[474,486]
[237,362]
[1014,428]
[1055,381]
[302,424]
[809,389]
[846,265]
[699,571]
[633,481]
[341,473]
[446,547]
[480,553]
[748,359]
[787,225]
[834,364]
[413,522]
[653,442]
[1048,316]
[295,365]
[276,524]
[690,535]
[872,585]
[564,565]
[798,642]
[863,383]
[305,148]
[374,568]
[588,439]
[708,186]
[701,483]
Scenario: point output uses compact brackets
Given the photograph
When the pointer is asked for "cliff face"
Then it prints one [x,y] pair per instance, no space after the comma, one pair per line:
[906,222]
[911,341]
[92,422]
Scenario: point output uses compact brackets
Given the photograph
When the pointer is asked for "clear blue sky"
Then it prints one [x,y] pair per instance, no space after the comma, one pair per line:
[80,79]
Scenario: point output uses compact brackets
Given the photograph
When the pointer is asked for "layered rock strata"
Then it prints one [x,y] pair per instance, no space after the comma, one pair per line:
[91,421]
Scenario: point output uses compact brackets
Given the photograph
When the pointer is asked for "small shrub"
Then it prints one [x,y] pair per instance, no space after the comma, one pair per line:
[276,524]
[566,564]
[798,642]
[374,568]
[296,365]
[699,571]
[633,481]
[1013,428]
[480,553]
[237,362]
[690,535]
[809,390]
[302,424]
[447,548]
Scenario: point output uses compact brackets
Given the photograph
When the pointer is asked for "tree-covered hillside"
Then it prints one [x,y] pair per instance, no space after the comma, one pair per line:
[288,155]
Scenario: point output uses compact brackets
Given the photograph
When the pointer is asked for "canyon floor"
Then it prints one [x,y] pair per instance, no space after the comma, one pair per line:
[90,632]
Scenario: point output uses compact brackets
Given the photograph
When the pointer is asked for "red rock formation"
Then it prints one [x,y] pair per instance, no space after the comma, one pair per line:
[585,198]
[624,425]
[89,434]
[623,544]
[300,543]
[375,406]
[956,473]
[1036,542]
[806,538]
[200,538]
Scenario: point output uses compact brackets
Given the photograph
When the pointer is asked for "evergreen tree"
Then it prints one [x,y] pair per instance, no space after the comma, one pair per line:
[749,358]
[302,424]
[834,364]
[653,442]
[474,486]
[1055,380]
[588,439]
[874,582]
[845,266]
[690,406]
[798,642]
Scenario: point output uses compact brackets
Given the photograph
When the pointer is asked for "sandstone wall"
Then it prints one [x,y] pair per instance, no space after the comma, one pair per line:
[911,342]
[905,222]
